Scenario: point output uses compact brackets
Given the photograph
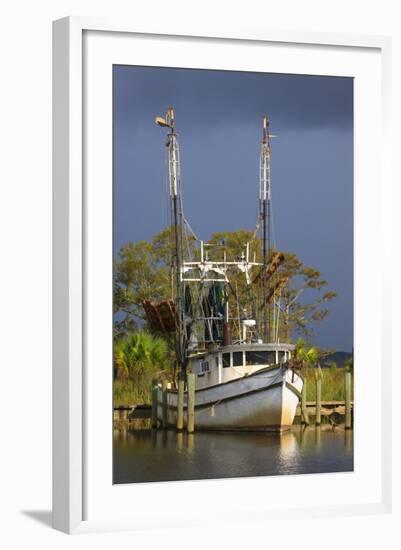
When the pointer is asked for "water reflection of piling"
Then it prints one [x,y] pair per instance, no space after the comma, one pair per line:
[155,396]
[191,442]
[302,430]
[318,438]
[180,441]
[318,417]
[348,440]
[185,442]
[164,404]
[347,395]
[304,408]
[122,432]
[154,438]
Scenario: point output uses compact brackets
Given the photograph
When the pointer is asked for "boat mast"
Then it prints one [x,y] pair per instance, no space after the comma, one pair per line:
[176,215]
[265,214]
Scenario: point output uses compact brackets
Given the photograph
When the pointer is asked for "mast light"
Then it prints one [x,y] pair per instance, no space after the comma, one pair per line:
[168,120]
[162,121]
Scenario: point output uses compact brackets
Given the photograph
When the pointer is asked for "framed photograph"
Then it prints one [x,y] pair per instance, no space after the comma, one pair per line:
[220,300]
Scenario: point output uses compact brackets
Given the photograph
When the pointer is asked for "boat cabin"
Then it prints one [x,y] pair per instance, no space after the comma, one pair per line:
[230,362]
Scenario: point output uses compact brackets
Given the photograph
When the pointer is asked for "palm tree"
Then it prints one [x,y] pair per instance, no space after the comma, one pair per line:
[304,356]
[121,370]
[138,357]
[140,351]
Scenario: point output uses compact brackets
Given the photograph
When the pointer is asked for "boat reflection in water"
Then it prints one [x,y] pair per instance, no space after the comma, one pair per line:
[165,455]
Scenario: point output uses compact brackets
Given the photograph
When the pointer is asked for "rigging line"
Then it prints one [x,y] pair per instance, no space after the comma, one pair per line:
[181,194]
[256,229]
[166,189]
[257,226]
[272,227]
[236,298]
[273,331]
[278,315]
[189,251]
[190,228]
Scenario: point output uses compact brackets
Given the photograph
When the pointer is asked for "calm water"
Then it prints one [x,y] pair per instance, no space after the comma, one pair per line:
[165,455]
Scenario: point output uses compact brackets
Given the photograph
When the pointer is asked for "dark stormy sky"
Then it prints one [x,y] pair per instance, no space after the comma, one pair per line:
[219,121]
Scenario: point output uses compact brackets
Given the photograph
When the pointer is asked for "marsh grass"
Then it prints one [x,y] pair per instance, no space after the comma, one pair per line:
[332,384]
[128,393]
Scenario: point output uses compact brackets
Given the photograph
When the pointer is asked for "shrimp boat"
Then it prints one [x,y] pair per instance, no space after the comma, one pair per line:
[224,318]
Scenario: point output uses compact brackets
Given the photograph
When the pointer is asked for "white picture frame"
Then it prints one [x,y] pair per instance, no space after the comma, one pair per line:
[71,247]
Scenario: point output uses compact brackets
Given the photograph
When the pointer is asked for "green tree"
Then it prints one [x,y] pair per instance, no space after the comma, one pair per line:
[138,275]
[142,271]
[304,297]
[304,356]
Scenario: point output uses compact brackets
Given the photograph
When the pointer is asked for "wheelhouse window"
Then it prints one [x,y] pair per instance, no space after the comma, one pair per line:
[260,357]
[237,359]
[281,356]
[226,360]
[204,366]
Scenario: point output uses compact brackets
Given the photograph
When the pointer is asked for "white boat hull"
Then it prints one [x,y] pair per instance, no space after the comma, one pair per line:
[263,401]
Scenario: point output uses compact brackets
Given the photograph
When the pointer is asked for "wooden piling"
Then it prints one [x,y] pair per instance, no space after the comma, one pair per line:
[347,397]
[180,404]
[155,396]
[303,404]
[318,401]
[164,404]
[190,402]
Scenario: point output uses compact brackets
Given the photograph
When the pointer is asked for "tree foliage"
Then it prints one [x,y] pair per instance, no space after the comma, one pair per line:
[142,271]
[305,297]
[304,356]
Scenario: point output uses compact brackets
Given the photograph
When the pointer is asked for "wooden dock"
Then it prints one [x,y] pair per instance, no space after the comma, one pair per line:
[132,412]
[333,410]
